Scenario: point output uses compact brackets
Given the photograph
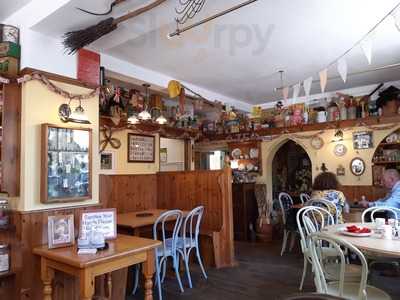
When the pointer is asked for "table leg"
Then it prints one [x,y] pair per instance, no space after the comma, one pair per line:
[47,275]
[148,272]
[108,286]
[86,285]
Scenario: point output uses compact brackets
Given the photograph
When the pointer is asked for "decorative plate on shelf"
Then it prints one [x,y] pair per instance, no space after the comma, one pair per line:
[340,150]
[253,153]
[317,142]
[236,153]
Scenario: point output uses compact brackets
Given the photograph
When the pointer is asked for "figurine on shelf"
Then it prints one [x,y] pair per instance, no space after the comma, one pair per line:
[296,118]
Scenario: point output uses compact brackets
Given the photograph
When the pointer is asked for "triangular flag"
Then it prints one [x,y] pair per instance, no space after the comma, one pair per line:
[396,17]
[366,46]
[323,77]
[307,85]
[285,92]
[296,91]
[342,68]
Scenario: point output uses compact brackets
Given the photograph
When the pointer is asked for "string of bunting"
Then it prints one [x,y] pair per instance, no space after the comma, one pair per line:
[55,89]
[366,45]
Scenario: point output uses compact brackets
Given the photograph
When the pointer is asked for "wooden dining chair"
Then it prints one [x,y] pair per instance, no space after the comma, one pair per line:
[189,240]
[342,288]
[285,203]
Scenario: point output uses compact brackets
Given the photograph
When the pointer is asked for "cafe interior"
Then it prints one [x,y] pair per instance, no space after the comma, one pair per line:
[194,149]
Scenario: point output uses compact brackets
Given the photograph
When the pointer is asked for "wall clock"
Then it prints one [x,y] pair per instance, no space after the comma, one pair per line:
[317,142]
[340,150]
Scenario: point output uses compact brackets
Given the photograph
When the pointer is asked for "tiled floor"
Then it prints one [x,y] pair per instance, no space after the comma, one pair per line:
[261,274]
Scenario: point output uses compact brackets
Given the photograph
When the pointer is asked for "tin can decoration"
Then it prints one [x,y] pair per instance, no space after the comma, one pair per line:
[4,257]
[9,33]
[4,211]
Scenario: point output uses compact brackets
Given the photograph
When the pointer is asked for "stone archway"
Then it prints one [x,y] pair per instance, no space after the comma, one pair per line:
[291,170]
[271,148]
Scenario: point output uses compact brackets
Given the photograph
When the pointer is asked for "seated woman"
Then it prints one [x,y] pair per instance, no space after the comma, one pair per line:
[325,187]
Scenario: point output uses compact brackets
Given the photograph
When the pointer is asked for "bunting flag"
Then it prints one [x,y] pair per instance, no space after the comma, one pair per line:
[366,46]
[323,77]
[307,85]
[342,69]
[285,92]
[396,17]
[296,91]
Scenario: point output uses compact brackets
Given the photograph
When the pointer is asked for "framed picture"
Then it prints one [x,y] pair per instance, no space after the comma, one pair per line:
[141,148]
[163,155]
[357,166]
[60,231]
[66,169]
[107,161]
[363,140]
[100,220]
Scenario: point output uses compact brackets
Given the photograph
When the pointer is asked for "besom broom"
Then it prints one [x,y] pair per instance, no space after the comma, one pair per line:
[75,40]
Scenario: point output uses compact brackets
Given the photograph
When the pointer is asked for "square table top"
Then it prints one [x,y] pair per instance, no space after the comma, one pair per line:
[123,245]
[131,220]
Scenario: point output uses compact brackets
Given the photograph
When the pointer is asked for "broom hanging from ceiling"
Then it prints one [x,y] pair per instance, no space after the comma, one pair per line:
[75,40]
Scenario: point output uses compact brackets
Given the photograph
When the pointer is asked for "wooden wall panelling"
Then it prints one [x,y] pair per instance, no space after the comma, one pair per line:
[128,193]
[213,190]
[354,192]
[11,140]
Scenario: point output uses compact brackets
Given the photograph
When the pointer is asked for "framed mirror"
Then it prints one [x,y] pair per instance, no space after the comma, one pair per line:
[357,166]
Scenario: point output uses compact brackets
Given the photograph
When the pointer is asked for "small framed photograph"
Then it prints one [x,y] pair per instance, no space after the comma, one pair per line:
[102,221]
[60,231]
[107,161]
[141,148]
[363,140]
[163,155]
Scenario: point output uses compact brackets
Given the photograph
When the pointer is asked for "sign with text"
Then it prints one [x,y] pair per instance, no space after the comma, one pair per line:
[102,220]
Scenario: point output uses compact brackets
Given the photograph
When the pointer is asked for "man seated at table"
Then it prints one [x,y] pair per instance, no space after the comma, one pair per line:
[391,180]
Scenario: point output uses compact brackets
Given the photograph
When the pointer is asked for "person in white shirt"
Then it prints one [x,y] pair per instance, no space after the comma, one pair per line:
[391,180]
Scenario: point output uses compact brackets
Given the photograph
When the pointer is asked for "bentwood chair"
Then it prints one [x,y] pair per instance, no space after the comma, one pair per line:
[190,240]
[342,288]
[285,203]
[314,219]
[328,205]
[169,247]
[304,198]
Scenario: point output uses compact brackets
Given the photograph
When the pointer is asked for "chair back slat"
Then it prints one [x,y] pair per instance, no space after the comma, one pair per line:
[191,226]
[304,198]
[160,223]
[285,203]
[328,205]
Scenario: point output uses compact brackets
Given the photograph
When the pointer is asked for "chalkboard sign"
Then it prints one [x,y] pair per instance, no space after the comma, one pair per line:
[101,220]
[140,148]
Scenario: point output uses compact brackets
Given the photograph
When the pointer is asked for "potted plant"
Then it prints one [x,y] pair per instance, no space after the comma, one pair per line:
[263,226]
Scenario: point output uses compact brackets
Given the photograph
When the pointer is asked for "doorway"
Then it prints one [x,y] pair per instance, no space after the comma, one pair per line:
[291,170]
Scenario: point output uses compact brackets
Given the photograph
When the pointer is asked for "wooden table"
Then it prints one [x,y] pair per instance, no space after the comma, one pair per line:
[134,223]
[123,252]
[373,243]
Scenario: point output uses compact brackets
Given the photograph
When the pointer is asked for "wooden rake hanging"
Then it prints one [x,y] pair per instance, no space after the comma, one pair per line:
[75,40]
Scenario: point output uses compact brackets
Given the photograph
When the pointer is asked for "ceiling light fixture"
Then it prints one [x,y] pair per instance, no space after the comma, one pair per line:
[133,120]
[145,115]
[78,115]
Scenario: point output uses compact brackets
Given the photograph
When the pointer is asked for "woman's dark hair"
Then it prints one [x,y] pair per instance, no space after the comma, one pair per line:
[325,181]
